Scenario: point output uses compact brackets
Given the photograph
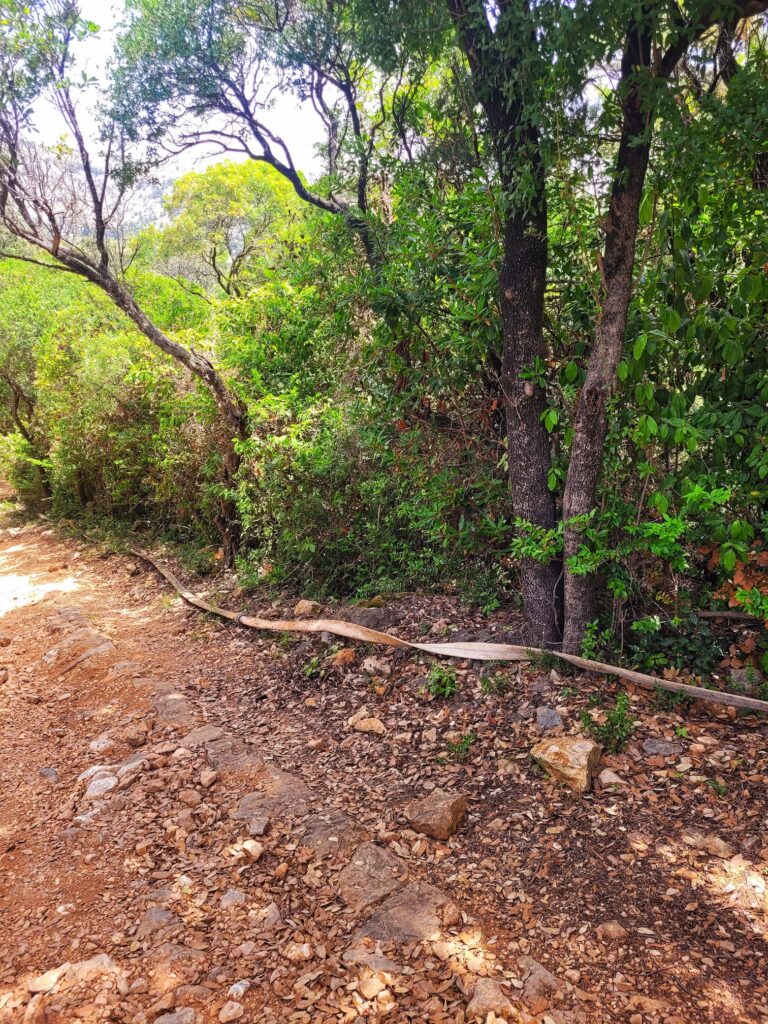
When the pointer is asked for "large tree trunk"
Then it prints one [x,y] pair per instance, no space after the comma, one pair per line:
[590,425]
[522,280]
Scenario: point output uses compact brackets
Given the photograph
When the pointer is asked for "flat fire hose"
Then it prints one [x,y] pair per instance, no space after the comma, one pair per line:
[471,651]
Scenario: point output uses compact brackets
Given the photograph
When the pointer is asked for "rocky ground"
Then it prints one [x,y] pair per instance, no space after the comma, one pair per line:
[201,823]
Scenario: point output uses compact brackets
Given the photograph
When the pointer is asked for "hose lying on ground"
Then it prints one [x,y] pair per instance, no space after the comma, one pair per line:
[468,650]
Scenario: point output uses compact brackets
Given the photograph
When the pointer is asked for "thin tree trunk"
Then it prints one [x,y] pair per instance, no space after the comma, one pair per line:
[590,426]
[232,410]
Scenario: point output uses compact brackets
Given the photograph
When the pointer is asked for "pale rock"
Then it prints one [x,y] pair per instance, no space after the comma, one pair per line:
[298,951]
[307,608]
[253,849]
[372,873]
[45,982]
[612,931]
[184,1016]
[154,920]
[608,779]
[100,786]
[439,814]
[488,997]
[369,988]
[268,918]
[94,771]
[661,748]
[538,983]
[569,759]
[258,826]
[239,989]
[377,667]
[190,797]
[207,777]
[232,898]
[101,743]
[547,719]
[231,1011]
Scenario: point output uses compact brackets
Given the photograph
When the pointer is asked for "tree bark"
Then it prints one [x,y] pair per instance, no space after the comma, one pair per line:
[590,426]
[522,279]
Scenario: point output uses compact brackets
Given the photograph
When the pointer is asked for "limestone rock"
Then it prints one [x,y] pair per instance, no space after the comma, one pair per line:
[569,759]
[268,918]
[100,786]
[305,607]
[608,779]
[231,1011]
[612,931]
[547,719]
[232,898]
[199,737]
[414,913]
[154,920]
[332,831]
[45,982]
[438,814]
[371,874]
[661,748]
[488,997]
[539,984]
[184,1016]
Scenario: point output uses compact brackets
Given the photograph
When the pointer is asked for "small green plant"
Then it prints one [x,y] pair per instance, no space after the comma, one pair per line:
[594,700]
[442,681]
[681,732]
[314,668]
[567,692]
[494,686]
[719,787]
[597,643]
[460,750]
[618,726]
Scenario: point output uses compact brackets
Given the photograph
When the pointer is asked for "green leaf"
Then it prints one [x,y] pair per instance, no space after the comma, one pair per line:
[639,347]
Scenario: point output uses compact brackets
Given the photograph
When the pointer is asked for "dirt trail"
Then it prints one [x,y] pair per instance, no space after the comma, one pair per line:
[192,831]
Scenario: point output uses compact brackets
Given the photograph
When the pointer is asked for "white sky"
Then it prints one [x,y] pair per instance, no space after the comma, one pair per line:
[297,123]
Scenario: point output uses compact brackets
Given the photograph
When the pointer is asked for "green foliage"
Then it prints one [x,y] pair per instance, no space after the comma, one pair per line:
[618,726]
[461,750]
[495,685]
[688,644]
[442,681]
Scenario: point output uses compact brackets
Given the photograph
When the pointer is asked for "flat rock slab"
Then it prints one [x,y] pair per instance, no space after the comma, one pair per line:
[199,737]
[174,710]
[65,620]
[417,913]
[661,748]
[281,794]
[230,754]
[372,874]
[330,832]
